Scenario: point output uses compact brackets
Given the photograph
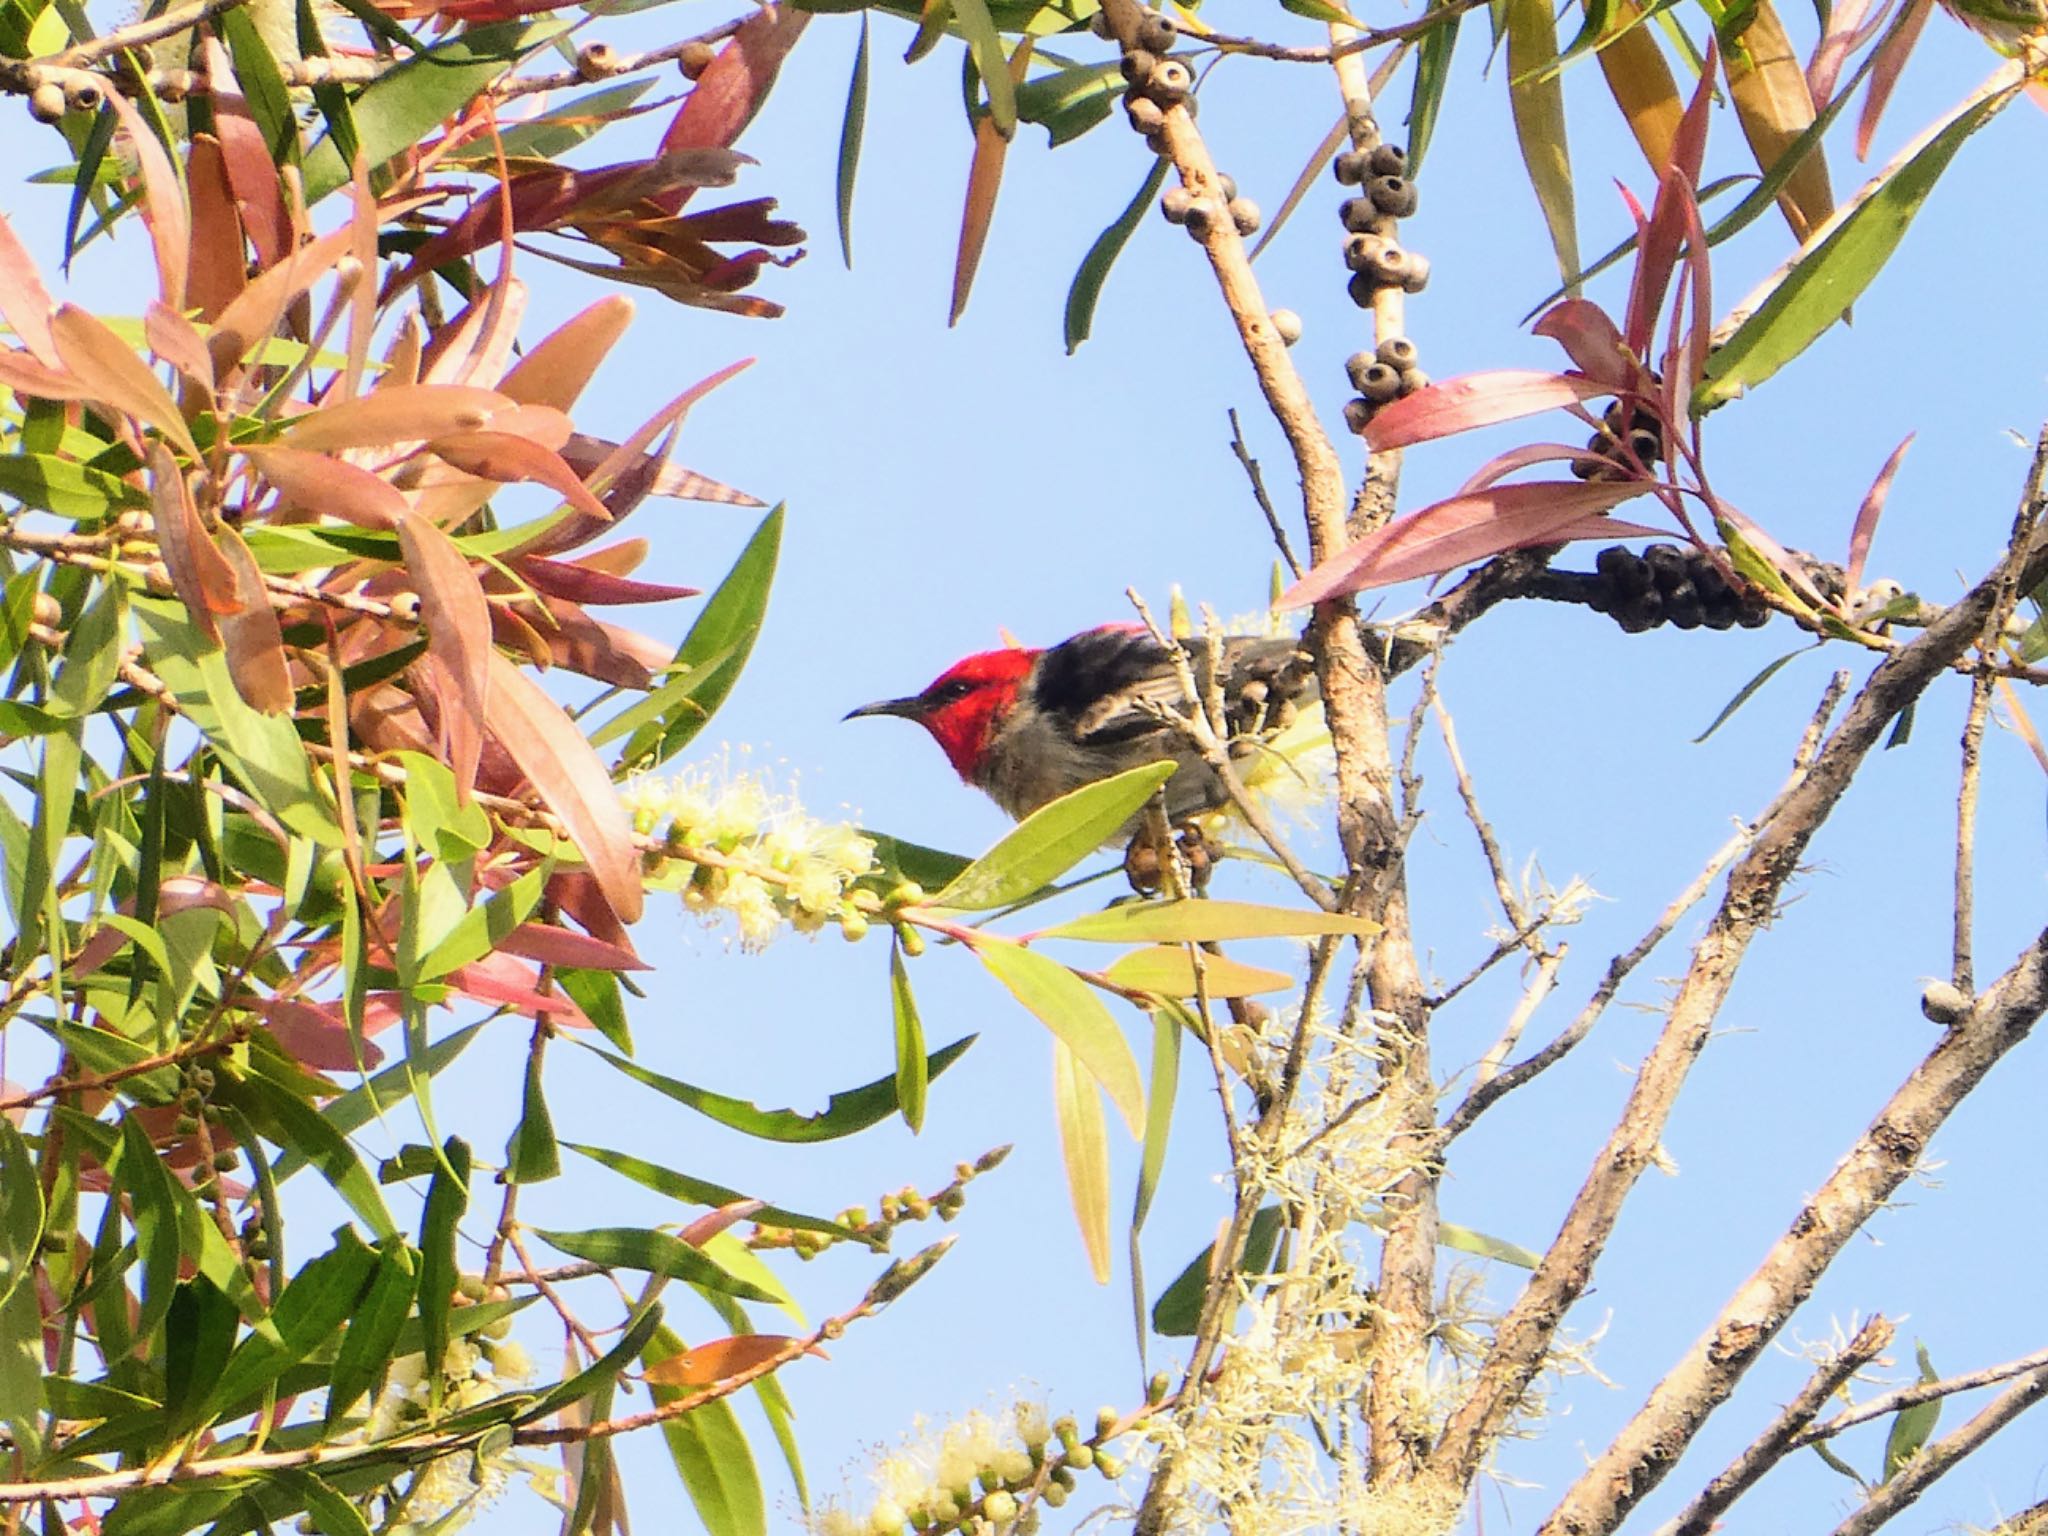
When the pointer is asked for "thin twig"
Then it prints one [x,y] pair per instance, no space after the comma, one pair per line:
[1906,1485]
[1489,1091]
[1258,480]
[1915,1393]
[1775,1443]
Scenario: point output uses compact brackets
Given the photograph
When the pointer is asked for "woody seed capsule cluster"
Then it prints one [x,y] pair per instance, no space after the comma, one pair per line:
[1377,260]
[1629,442]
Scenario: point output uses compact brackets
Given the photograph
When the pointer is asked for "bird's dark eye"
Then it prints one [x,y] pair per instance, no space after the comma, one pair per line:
[949,692]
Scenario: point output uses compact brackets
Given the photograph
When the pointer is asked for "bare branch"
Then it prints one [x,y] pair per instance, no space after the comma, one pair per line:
[1634,1463]
[1913,1479]
[1775,1443]
[1917,1392]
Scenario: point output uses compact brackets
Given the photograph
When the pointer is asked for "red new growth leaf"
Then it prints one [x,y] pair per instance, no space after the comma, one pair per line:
[582,582]
[251,635]
[720,1360]
[733,85]
[398,413]
[1476,400]
[711,1223]
[458,619]
[321,484]
[1462,530]
[562,946]
[164,208]
[1658,241]
[1867,515]
[503,457]
[201,576]
[1592,340]
[556,369]
[24,301]
[566,773]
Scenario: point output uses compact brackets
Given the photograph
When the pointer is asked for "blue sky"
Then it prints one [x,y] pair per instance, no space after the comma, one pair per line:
[946,486]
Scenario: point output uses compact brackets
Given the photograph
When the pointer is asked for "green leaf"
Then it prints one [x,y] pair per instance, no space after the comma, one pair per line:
[141,1172]
[851,129]
[1432,74]
[309,1313]
[723,637]
[331,97]
[710,1450]
[1068,102]
[985,47]
[486,925]
[21,1210]
[289,1121]
[1536,95]
[367,1345]
[263,751]
[392,1086]
[1178,1312]
[1168,1020]
[1086,290]
[405,105]
[1084,1148]
[691,1190]
[263,87]
[1052,840]
[1075,1012]
[69,489]
[1744,693]
[331,1514]
[1912,1427]
[21,1324]
[198,1332]
[658,1253]
[843,1115]
[531,1157]
[601,1373]
[931,868]
[1169,970]
[1205,922]
[447,1199]
[1825,279]
[1465,1240]
[910,1057]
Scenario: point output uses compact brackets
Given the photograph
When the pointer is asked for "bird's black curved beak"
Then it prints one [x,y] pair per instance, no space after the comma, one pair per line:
[907,709]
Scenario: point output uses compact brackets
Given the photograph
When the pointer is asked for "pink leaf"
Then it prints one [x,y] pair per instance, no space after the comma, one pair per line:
[398,413]
[1657,242]
[1591,339]
[571,781]
[24,301]
[563,946]
[501,456]
[458,619]
[1460,531]
[109,367]
[513,984]
[1892,54]
[1867,515]
[730,90]
[1849,27]
[318,1035]
[331,487]
[1500,466]
[1476,400]
[164,208]
[711,1223]
[578,583]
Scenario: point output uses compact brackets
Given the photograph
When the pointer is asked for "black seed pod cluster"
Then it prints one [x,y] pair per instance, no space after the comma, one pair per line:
[1667,584]
[1607,459]
[1381,377]
[1371,219]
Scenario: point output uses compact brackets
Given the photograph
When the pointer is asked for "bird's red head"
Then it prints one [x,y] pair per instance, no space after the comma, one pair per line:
[964,705]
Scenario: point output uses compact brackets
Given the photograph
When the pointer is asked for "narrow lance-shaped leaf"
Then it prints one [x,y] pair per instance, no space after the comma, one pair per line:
[1775,106]
[458,619]
[1536,95]
[851,130]
[845,1113]
[910,1056]
[1052,840]
[1460,531]
[1799,303]
[1084,1146]
[1077,1016]
[1865,527]
[1640,80]
[1094,271]
[1479,400]
[985,176]
[1201,922]
[709,1449]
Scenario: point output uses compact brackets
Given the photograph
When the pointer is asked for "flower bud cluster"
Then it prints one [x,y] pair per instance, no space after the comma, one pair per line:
[734,847]
[983,1474]
[477,1367]
[898,1207]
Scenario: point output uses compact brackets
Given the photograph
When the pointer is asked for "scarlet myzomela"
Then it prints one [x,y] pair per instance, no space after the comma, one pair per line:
[1028,726]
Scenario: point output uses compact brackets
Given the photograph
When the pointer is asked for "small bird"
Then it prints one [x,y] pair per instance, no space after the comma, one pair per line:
[1028,726]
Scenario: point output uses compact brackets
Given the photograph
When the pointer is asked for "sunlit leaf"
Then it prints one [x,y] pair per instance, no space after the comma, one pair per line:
[1077,1016]
[1084,1146]
[1052,840]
